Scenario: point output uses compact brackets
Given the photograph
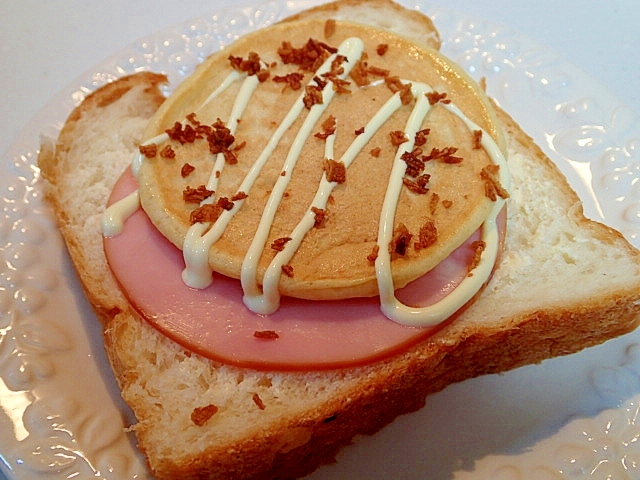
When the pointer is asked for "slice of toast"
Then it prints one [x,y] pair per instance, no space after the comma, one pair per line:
[546,298]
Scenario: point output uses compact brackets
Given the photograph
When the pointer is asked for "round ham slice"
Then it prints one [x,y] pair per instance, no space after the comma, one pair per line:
[302,334]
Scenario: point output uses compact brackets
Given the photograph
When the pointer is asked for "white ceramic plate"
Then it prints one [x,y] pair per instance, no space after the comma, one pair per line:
[572,417]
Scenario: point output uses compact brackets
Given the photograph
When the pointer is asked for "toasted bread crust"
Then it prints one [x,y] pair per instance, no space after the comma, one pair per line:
[100,286]
[398,18]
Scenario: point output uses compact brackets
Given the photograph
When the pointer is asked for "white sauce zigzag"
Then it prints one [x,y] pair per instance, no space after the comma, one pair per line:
[266,299]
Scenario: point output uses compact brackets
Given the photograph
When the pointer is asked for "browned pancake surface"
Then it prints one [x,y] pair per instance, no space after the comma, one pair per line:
[334,261]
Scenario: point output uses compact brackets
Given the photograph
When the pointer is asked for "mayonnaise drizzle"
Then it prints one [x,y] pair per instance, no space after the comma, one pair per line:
[266,299]
[114,216]
[199,239]
[269,301]
[470,285]
[197,243]
[352,49]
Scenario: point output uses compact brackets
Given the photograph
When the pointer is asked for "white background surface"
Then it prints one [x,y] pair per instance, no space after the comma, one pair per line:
[46,44]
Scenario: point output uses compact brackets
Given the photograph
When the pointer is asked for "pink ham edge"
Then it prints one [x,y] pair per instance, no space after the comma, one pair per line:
[215,323]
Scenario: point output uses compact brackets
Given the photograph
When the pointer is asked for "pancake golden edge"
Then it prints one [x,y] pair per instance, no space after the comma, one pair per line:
[332,262]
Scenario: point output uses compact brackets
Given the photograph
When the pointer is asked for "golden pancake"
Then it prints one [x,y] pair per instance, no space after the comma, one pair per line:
[443,196]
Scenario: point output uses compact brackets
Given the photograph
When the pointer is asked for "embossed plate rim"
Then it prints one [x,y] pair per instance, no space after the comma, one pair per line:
[51,117]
